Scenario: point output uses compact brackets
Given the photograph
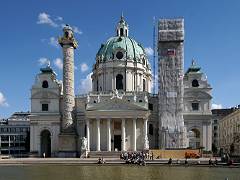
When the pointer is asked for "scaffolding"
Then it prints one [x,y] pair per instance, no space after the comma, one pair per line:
[170,50]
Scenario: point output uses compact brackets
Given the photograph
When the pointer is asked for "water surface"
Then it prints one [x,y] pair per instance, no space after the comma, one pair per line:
[127,172]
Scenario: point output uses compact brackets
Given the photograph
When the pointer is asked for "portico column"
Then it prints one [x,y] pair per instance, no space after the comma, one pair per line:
[109,135]
[98,134]
[134,134]
[88,134]
[145,134]
[123,135]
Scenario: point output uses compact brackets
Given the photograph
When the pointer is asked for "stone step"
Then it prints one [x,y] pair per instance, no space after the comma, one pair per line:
[96,154]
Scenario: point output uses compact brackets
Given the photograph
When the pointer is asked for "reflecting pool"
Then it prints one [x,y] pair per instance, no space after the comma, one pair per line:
[115,172]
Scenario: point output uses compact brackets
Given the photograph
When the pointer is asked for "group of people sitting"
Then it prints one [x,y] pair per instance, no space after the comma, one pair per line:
[134,157]
[100,161]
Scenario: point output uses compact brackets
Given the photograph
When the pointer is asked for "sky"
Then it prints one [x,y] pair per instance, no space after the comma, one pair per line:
[29,32]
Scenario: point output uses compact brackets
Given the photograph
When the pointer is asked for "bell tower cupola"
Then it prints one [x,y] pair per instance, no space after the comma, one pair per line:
[122,28]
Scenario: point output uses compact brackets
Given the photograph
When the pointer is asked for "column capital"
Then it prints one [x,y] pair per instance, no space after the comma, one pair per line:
[98,118]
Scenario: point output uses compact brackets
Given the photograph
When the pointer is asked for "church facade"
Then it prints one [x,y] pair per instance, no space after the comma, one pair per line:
[120,113]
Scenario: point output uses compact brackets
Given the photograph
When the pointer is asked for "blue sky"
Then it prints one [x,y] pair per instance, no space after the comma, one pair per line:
[29,30]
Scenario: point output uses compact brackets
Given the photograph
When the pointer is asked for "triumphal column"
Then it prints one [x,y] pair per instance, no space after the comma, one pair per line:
[67,137]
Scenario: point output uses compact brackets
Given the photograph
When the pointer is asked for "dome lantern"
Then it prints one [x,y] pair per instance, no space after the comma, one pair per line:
[122,27]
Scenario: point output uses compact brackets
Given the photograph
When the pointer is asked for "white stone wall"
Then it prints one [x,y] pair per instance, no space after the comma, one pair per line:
[40,123]
[106,73]
[201,118]
[45,120]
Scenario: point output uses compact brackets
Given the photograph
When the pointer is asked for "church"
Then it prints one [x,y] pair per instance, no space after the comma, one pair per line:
[121,113]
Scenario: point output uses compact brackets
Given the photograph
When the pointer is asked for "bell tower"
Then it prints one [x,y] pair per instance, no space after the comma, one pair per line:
[67,137]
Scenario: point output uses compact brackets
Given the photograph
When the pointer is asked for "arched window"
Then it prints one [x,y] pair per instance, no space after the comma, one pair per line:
[196,133]
[119,82]
[143,61]
[121,31]
[194,138]
[195,83]
[144,85]
[45,84]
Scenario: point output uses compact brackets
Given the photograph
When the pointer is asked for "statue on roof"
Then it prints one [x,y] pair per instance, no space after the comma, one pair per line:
[193,62]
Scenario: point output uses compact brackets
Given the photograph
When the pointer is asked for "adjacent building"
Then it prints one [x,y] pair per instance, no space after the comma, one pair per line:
[229,128]
[15,134]
[217,115]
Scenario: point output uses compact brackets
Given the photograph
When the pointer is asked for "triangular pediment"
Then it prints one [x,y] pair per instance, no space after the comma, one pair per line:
[44,95]
[117,105]
[197,94]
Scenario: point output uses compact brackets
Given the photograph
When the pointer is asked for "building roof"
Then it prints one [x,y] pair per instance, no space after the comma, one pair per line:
[47,69]
[193,68]
[131,48]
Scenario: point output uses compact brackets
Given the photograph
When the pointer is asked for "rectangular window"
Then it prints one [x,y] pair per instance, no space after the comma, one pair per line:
[150,106]
[150,129]
[215,127]
[44,107]
[195,106]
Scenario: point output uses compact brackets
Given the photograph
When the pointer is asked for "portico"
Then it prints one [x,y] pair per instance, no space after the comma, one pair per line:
[111,128]
[99,128]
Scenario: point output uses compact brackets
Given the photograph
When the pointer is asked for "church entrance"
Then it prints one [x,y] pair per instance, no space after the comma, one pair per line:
[117,142]
[46,143]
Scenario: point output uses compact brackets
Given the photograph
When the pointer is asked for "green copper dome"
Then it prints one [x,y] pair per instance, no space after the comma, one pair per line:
[121,48]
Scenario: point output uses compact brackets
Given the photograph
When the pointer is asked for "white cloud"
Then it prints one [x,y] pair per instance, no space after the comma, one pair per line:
[149,51]
[53,42]
[217,106]
[44,18]
[86,84]
[43,61]
[59,18]
[63,25]
[84,67]
[58,63]
[76,30]
[3,101]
